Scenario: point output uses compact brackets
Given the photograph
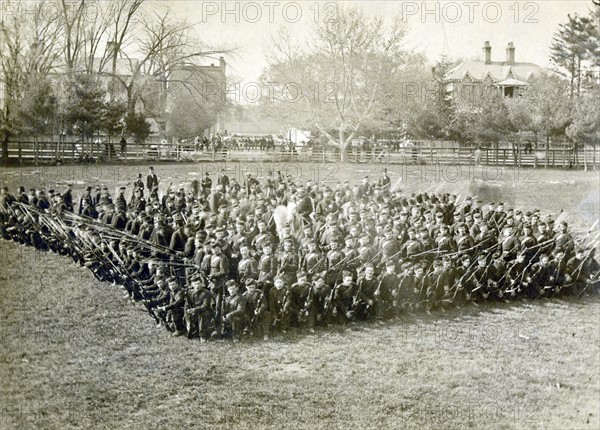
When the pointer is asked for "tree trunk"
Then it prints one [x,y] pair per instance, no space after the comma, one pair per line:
[5,147]
[343,147]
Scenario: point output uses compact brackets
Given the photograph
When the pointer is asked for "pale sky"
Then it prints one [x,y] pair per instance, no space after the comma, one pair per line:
[456,28]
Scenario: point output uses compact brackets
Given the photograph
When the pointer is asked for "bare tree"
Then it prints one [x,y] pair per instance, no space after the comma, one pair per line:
[335,84]
[29,47]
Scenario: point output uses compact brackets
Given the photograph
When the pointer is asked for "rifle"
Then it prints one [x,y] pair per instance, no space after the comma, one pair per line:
[307,303]
[256,313]
[458,284]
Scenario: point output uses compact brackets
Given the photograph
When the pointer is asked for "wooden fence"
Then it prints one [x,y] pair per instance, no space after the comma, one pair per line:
[67,152]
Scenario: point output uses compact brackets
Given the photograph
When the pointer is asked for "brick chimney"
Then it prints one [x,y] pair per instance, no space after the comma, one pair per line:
[487,52]
[510,53]
[222,63]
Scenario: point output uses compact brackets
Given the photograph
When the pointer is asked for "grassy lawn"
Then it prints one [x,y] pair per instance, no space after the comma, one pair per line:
[75,354]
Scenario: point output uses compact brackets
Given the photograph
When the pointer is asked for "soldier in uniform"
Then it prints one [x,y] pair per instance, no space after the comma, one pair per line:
[510,244]
[257,310]
[412,247]
[564,241]
[287,264]
[528,242]
[334,263]
[247,266]
[438,286]
[267,269]
[313,261]
[302,303]
[218,271]
[345,298]
[198,309]
[206,184]
[280,305]
[540,277]
[445,242]
[174,308]
[465,243]
[234,313]
[480,277]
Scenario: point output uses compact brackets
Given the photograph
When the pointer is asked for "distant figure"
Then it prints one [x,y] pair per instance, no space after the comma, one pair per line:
[123,144]
[151,179]
[478,156]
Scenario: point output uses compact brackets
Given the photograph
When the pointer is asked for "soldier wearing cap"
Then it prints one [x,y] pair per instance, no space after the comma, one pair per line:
[280,305]
[583,270]
[233,321]
[327,205]
[247,267]
[206,184]
[264,237]
[369,303]
[528,242]
[509,243]
[267,269]
[119,219]
[437,285]
[564,241]
[313,261]
[389,245]
[540,278]
[219,269]
[334,262]
[465,243]
[480,277]
[322,295]
[302,302]
[287,262]
[420,285]
[174,309]
[515,273]
[198,309]
[86,197]
[346,298]
[445,242]
[257,310]
[412,247]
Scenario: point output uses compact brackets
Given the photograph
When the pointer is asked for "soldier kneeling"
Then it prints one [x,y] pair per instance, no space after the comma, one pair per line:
[280,303]
[198,310]
[256,310]
[234,313]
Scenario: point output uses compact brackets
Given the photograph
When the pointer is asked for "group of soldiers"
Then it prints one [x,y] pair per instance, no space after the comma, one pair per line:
[256,258]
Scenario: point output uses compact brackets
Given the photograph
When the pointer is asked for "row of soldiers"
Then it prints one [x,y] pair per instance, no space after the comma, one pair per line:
[357,253]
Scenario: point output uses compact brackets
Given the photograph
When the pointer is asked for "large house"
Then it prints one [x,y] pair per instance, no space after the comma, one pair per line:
[509,77]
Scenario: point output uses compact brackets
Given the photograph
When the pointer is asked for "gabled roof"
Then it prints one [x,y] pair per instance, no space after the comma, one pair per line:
[498,71]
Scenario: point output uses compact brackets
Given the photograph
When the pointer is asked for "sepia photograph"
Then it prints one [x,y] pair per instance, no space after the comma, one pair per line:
[299,214]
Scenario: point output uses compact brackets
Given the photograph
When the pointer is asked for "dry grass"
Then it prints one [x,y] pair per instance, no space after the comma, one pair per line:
[75,354]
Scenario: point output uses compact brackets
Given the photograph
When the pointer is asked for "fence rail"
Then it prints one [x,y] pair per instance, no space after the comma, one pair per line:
[47,152]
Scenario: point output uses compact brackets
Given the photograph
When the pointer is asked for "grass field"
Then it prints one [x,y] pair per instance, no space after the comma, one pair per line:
[75,354]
